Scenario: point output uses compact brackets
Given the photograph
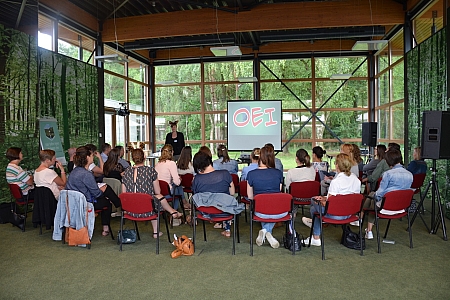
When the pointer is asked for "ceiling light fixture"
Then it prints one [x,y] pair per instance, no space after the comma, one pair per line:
[247,79]
[226,51]
[341,76]
[112,58]
[168,82]
[369,45]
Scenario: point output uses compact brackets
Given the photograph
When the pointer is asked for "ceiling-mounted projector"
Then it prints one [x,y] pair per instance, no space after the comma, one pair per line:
[123,110]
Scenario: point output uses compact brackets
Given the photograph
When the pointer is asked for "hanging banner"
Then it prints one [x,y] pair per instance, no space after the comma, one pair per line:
[49,138]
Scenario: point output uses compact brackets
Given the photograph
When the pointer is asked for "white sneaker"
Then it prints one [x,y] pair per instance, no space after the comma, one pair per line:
[369,234]
[355,223]
[307,221]
[314,242]
[272,241]
[261,237]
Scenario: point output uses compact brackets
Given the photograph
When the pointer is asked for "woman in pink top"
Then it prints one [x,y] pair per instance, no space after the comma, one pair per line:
[168,172]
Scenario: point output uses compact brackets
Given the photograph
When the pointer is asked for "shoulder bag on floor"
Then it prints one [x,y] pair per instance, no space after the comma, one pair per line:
[351,239]
[184,247]
[287,241]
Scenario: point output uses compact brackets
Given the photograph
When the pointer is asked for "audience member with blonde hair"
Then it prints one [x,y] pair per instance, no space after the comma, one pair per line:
[144,179]
[46,177]
[168,172]
[345,182]
[254,156]
[350,151]
[224,162]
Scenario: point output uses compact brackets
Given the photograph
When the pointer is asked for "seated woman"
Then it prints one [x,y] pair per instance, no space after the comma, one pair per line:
[378,156]
[16,175]
[224,162]
[143,179]
[318,164]
[357,157]
[396,178]
[168,172]
[184,163]
[345,182]
[418,165]
[349,149]
[83,181]
[46,177]
[303,172]
[208,179]
[265,179]
[254,156]
[112,168]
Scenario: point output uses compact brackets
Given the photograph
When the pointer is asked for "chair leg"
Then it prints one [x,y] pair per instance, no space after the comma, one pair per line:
[311,230]
[234,235]
[245,211]
[251,234]
[321,238]
[387,228]
[378,231]
[40,228]
[167,226]
[194,227]
[293,234]
[157,235]
[137,230]
[111,232]
[120,234]
[237,230]
[204,230]
[410,232]
[361,237]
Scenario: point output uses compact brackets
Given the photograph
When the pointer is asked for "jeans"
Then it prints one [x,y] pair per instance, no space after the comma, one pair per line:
[226,224]
[266,225]
[315,208]
[177,190]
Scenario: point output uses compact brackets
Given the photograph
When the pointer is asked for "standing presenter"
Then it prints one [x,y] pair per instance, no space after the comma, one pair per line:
[176,139]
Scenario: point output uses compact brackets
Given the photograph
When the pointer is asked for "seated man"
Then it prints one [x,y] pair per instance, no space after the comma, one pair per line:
[396,178]
[418,165]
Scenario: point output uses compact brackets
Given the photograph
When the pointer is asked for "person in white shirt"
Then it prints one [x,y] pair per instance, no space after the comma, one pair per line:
[345,182]
[304,170]
[46,177]
[106,148]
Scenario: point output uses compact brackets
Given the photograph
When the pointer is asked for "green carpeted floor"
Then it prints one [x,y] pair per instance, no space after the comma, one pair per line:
[36,267]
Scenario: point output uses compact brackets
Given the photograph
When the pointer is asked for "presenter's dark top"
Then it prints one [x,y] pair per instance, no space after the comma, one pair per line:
[177,143]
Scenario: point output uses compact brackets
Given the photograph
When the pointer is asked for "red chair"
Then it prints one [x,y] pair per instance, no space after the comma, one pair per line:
[243,196]
[186,183]
[20,199]
[302,192]
[271,204]
[140,203]
[210,210]
[317,177]
[394,201]
[165,191]
[339,205]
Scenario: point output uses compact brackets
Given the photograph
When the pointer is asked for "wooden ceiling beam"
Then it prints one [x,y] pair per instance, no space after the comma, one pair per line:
[279,16]
[71,11]
[284,47]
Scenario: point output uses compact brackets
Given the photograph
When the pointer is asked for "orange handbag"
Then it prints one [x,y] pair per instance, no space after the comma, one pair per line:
[76,237]
[184,247]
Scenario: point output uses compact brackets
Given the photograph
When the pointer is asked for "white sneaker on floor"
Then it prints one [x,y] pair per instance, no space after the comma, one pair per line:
[314,242]
[261,237]
[272,241]
[369,234]
[307,221]
[355,223]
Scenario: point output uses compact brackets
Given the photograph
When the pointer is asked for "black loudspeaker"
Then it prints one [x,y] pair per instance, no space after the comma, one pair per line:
[369,134]
[435,143]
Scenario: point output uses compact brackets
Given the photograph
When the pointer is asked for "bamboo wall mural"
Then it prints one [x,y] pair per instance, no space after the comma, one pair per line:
[34,83]
[427,90]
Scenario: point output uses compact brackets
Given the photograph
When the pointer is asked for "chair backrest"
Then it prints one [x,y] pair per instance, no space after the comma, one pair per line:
[138,203]
[16,192]
[305,189]
[164,186]
[235,178]
[114,183]
[418,180]
[273,203]
[397,200]
[317,177]
[344,205]
[186,180]
[243,188]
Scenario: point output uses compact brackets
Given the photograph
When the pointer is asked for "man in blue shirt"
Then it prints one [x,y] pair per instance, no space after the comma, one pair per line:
[396,178]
